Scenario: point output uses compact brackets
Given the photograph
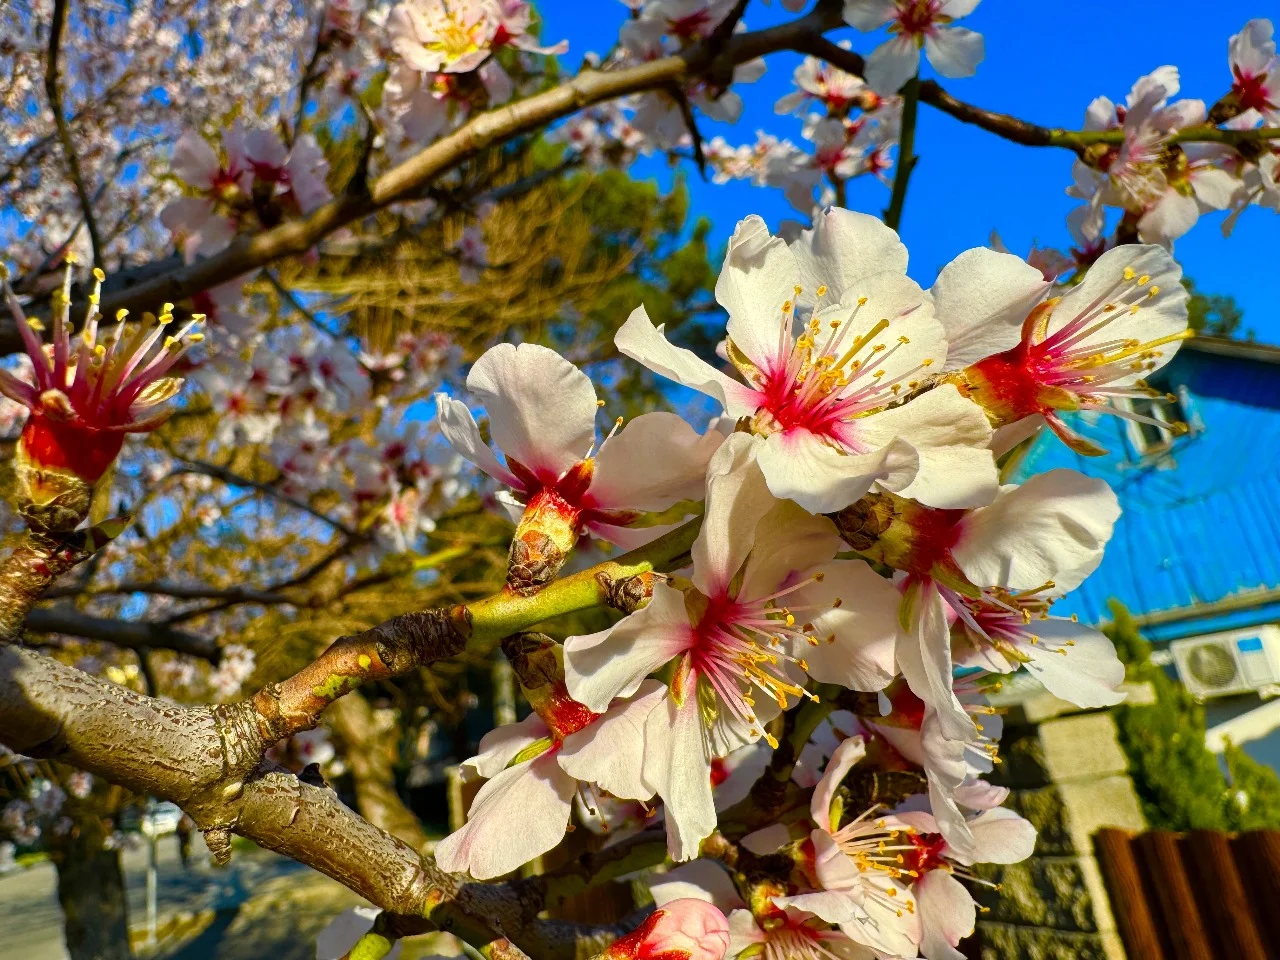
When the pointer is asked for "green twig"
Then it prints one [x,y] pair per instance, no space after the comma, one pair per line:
[906,157]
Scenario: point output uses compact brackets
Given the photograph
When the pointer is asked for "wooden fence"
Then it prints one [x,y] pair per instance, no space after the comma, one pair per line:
[1201,895]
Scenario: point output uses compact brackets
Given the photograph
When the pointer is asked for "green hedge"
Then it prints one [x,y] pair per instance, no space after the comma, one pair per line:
[1178,779]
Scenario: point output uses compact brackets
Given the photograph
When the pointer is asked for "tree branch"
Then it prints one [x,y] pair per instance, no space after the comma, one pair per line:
[133,635]
[36,561]
[1034,135]
[53,89]
[906,155]
[487,129]
[209,759]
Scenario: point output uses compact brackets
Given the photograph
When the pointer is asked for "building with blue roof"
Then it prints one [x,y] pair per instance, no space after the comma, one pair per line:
[1196,551]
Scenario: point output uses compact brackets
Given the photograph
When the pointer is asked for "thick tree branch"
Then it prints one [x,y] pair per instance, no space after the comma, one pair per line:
[36,561]
[53,89]
[133,635]
[248,253]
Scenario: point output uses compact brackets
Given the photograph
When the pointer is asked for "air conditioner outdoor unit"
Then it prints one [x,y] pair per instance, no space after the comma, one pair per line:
[1224,663]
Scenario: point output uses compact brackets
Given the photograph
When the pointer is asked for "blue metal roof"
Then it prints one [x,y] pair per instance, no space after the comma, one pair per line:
[1201,522]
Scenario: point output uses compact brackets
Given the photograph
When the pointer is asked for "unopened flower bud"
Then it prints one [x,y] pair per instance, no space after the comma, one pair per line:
[686,929]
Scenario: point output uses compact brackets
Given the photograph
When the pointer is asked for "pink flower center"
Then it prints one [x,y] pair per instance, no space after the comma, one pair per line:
[1073,367]
[926,853]
[736,648]
[1252,92]
[917,18]
[827,377]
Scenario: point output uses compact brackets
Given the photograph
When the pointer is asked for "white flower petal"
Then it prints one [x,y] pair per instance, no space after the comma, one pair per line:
[1087,673]
[700,879]
[1162,315]
[844,248]
[542,409]
[799,466]
[758,276]
[610,751]
[737,498]
[1052,528]
[856,640]
[842,761]
[981,298]
[789,542]
[535,794]
[947,914]
[459,428]
[950,435]
[500,745]
[655,461]
[924,655]
[676,762]
[640,340]
[867,15]
[955,51]
[615,661]
[1001,836]
[892,64]
[194,161]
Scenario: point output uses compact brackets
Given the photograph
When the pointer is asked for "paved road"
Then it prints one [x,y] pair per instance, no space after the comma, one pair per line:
[31,921]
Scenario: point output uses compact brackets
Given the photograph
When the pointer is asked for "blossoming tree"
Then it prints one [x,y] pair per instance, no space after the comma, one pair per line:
[757,619]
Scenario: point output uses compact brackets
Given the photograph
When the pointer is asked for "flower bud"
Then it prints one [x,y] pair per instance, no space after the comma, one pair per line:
[686,929]
[538,663]
[547,531]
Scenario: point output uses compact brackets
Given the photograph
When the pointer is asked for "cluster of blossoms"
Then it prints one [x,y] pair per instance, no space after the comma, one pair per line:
[1163,186]
[863,412]
[298,387]
[139,78]
[449,60]
[255,181]
[853,136]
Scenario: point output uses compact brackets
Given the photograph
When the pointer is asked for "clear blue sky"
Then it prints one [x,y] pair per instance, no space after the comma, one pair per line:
[1044,63]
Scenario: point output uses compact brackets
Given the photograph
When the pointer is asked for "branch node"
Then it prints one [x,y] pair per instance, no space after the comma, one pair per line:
[218,840]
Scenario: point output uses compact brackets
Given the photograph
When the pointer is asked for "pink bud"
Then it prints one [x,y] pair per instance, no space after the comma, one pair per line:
[686,929]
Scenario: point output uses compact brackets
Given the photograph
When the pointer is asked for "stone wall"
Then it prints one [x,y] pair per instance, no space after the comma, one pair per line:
[1068,776]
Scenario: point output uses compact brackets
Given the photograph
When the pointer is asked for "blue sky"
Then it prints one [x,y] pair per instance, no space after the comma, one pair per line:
[1044,63]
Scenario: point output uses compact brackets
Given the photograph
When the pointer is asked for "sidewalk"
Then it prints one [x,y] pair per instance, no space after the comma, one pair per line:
[202,895]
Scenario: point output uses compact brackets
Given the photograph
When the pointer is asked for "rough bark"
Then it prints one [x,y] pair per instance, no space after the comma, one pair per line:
[91,891]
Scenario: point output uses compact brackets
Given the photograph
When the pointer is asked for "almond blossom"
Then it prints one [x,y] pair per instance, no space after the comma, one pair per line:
[542,412]
[1163,187]
[916,24]
[1051,531]
[823,403]
[688,929]
[833,88]
[258,177]
[1018,350]
[858,866]
[909,731]
[533,769]
[1255,71]
[442,36]
[88,392]
[946,907]
[1005,630]
[763,605]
